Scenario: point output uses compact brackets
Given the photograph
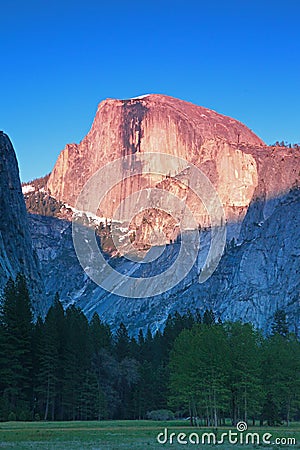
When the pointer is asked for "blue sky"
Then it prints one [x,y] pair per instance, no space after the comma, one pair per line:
[60,59]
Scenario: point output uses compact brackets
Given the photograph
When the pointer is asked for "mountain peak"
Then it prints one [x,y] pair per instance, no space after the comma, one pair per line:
[236,161]
[206,122]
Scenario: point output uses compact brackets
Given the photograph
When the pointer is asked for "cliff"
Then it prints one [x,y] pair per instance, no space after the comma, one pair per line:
[254,277]
[16,251]
[236,161]
[257,185]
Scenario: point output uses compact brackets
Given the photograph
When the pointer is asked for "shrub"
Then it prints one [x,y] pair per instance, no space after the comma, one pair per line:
[160,414]
[11,416]
[22,416]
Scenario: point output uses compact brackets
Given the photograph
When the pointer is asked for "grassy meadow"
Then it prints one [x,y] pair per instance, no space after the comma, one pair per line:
[111,435]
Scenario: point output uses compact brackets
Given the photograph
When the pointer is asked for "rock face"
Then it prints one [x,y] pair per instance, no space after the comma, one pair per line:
[16,251]
[257,185]
[235,160]
[254,278]
[223,148]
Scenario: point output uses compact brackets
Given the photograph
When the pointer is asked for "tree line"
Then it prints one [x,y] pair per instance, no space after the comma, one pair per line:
[285,144]
[64,367]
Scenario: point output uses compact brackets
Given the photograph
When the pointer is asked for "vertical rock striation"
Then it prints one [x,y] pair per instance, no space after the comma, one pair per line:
[235,160]
[16,251]
[257,185]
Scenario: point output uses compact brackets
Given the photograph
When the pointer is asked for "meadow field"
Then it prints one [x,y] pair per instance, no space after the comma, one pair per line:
[135,435]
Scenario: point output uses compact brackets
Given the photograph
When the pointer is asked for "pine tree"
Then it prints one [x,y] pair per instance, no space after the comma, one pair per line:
[209,317]
[50,359]
[279,324]
[174,325]
[17,332]
[90,398]
[141,339]
[122,342]
[36,348]
[198,317]
[9,358]
[100,333]
[105,368]
[76,361]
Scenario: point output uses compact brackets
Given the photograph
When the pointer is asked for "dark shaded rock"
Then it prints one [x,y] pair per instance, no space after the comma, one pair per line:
[16,252]
[255,276]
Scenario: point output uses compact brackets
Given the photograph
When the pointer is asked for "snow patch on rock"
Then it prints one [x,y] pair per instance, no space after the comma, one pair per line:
[27,188]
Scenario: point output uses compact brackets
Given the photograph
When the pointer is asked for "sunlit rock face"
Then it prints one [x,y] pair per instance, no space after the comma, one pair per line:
[235,160]
[16,251]
[259,271]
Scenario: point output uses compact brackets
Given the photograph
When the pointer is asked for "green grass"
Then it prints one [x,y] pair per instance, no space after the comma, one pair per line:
[114,435]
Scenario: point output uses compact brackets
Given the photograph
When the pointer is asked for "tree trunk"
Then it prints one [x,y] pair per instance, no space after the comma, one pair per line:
[288,413]
[215,410]
[47,400]
[207,415]
[191,414]
[245,406]
[234,411]
[53,408]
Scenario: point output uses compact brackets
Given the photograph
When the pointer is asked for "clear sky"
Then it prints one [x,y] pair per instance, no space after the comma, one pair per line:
[59,59]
